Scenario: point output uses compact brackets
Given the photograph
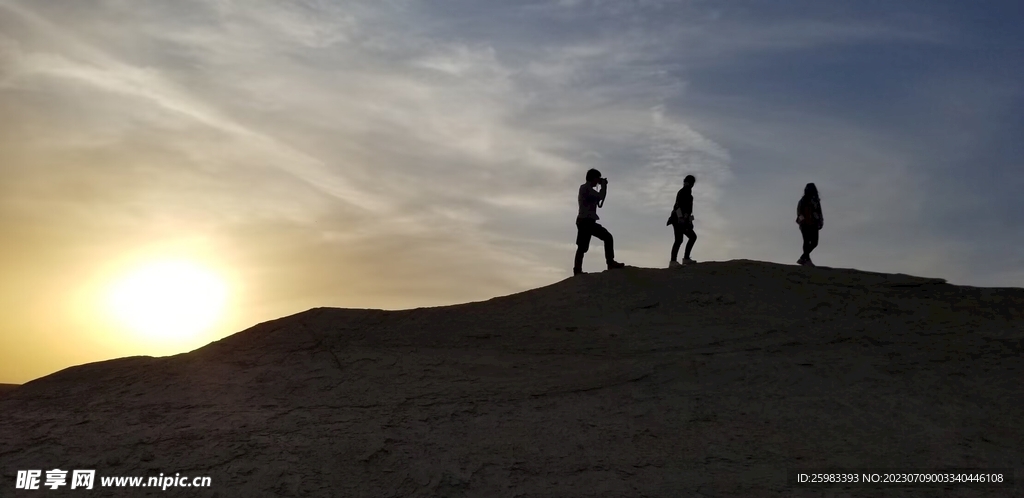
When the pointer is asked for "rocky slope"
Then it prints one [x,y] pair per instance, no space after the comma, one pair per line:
[710,380]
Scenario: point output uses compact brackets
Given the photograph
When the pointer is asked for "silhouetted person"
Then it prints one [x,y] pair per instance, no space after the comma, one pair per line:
[681,220]
[810,219]
[587,225]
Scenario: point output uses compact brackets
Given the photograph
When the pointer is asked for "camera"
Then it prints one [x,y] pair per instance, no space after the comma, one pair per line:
[602,181]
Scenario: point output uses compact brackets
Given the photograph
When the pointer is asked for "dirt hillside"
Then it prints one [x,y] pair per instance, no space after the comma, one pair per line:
[711,380]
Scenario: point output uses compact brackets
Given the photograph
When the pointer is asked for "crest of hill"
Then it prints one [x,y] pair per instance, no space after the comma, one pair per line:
[712,379]
[711,301]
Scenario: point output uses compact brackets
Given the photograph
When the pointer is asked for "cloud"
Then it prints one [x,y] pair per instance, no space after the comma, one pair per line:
[78,63]
[398,153]
[423,134]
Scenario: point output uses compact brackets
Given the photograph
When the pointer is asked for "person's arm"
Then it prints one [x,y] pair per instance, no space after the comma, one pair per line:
[602,193]
[800,211]
[591,194]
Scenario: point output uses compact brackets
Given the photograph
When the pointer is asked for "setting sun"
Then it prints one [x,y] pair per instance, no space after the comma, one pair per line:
[168,299]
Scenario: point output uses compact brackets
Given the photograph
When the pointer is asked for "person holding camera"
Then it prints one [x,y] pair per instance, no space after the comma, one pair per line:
[681,220]
[586,222]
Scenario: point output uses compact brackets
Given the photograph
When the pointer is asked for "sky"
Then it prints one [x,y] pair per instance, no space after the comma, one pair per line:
[397,153]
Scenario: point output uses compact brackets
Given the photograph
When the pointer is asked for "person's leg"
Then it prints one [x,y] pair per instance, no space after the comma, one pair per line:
[609,244]
[691,237]
[812,240]
[583,230]
[810,235]
[805,233]
[677,231]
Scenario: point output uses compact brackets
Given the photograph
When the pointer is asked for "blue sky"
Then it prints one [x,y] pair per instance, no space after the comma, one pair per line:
[395,153]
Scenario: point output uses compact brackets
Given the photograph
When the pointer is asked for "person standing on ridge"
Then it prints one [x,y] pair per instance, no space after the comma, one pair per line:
[681,220]
[587,225]
[810,219]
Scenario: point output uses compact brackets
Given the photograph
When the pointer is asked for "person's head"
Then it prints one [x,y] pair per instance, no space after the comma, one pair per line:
[593,176]
[689,180]
[810,190]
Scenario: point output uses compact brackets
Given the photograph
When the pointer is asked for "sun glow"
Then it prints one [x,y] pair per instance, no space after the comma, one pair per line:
[168,300]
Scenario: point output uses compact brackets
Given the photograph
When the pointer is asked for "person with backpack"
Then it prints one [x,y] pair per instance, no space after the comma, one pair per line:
[681,220]
[586,222]
[811,221]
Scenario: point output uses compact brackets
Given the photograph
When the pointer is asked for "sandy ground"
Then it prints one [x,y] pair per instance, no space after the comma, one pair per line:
[5,388]
[707,381]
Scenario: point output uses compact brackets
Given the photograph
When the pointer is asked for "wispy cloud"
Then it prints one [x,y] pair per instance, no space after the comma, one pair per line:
[397,153]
